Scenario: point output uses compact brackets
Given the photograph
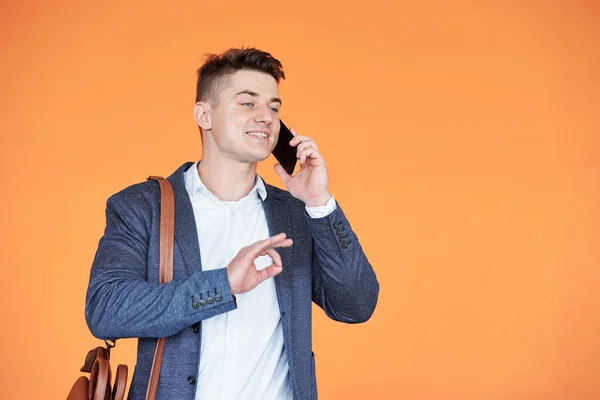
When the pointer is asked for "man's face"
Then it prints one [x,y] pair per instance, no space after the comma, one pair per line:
[245,121]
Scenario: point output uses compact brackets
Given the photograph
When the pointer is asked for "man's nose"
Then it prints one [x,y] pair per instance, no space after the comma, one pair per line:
[263,114]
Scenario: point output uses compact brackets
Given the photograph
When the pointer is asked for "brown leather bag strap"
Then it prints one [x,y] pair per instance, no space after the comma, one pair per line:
[167,228]
[167,232]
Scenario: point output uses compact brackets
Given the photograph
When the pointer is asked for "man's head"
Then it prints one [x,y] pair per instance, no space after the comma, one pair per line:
[237,104]
[213,74]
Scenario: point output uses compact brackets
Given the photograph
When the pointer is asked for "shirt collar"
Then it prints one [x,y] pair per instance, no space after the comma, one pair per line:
[194,185]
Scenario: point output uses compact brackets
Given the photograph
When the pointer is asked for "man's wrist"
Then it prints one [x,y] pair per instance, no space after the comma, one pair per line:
[322,211]
[319,201]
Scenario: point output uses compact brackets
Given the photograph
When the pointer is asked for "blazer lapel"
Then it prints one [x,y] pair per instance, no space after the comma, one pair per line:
[278,220]
[186,234]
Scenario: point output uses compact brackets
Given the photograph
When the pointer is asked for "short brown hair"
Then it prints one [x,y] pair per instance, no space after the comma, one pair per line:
[213,74]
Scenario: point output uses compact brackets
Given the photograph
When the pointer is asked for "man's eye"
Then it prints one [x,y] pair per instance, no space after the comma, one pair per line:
[274,109]
[248,104]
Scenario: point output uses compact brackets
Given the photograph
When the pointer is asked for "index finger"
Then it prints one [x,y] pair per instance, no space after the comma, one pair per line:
[274,241]
[299,139]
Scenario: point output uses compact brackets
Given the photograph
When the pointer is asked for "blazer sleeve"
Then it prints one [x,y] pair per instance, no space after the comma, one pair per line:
[344,283]
[120,303]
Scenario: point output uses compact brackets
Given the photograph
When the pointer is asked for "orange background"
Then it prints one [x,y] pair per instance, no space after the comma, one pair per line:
[462,140]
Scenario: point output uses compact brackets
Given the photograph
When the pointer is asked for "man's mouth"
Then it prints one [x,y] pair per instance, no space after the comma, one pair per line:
[258,134]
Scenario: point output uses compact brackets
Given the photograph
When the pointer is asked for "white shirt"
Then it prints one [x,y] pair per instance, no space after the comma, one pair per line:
[241,353]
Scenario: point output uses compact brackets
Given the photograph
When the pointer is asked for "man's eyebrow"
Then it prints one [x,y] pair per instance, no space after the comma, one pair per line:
[254,94]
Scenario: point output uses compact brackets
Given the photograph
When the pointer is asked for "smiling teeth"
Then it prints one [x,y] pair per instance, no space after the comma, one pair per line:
[258,134]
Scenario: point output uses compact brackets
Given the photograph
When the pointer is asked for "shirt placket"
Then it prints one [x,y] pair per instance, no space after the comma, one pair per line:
[230,386]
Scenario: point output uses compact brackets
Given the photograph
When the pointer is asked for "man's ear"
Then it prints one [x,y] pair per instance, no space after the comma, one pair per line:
[202,112]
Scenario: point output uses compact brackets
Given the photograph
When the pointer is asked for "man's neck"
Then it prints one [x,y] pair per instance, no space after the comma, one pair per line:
[228,180]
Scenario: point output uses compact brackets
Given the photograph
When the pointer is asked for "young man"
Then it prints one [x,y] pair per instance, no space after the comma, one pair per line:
[248,257]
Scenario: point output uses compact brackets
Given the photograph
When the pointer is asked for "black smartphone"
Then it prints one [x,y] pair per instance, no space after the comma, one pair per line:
[283,152]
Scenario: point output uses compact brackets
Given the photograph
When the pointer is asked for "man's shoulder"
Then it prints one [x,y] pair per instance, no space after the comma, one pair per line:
[142,194]
[147,191]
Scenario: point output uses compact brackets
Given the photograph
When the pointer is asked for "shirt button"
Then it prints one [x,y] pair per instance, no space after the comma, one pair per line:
[191,380]
[195,305]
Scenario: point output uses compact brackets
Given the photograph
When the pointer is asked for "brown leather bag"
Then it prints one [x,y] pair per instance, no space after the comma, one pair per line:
[97,361]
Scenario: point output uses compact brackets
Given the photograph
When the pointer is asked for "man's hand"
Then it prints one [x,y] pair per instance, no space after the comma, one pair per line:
[310,184]
[241,271]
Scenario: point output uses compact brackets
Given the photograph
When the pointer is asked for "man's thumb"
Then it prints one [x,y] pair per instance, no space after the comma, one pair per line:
[285,177]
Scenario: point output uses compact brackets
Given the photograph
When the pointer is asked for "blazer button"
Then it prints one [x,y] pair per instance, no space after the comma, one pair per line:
[345,245]
[336,225]
[191,380]
[195,305]
[202,303]
[196,327]
[210,300]
[218,298]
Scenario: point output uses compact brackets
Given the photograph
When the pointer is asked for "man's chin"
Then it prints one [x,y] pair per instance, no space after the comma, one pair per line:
[257,157]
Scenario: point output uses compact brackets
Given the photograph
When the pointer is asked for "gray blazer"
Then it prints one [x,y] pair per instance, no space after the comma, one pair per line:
[325,264]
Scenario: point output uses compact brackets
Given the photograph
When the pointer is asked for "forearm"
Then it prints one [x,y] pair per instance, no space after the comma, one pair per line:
[344,282]
[118,307]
